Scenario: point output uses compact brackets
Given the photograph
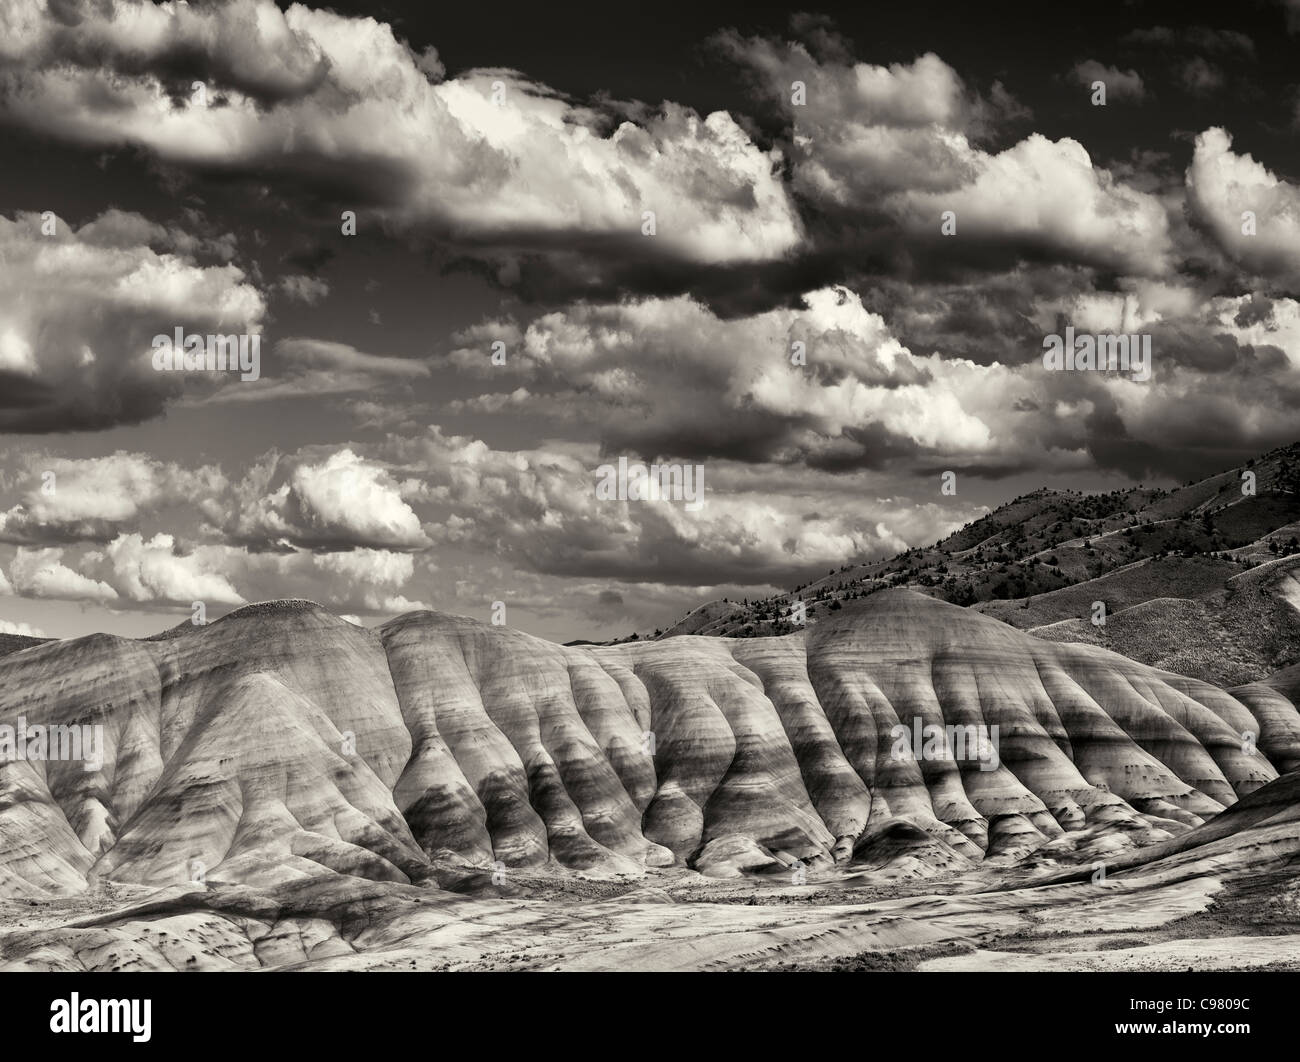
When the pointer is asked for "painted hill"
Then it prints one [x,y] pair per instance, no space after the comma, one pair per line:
[281,742]
[1219,897]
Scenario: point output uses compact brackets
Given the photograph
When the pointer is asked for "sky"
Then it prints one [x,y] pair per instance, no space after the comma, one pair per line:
[484,251]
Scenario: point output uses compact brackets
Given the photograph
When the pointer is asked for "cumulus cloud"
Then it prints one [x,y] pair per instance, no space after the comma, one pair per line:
[900,145]
[1222,185]
[91,499]
[342,502]
[42,573]
[539,509]
[127,230]
[138,572]
[487,158]
[359,581]
[24,629]
[371,578]
[80,314]
[921,352]
[668,377]
[1212,358]
[320,517]
[862,129]
[154,571]
[1260,321]
[1049,193]
[242,44]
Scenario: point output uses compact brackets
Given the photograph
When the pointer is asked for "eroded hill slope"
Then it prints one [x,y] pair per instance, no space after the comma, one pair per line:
[282,741]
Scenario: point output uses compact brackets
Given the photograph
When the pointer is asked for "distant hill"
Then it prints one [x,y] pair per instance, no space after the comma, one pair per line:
[1199,579]
[12,643]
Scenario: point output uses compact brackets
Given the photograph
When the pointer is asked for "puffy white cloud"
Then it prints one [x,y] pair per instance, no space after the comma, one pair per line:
[667,376]
[70,499]
[79,317]
[342,502]
[1224,379]
[486,157]
[358,581]
[862,130]
[902,141]
[243,42]
[1222,185]
[371,577]
[1140,305]
[127,230]
[25,629]
[539,509]
[1260,322]
[925,92]
[150,573]
[42,573]
[1049,193]
[154,571]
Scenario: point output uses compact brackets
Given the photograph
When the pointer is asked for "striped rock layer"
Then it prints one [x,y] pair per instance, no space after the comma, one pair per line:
[281,741]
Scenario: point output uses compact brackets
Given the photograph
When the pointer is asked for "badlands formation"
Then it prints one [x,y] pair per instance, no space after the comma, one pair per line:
[285,788]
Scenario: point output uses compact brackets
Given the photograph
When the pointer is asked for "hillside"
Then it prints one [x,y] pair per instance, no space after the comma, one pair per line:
[445,794]
[283,742]
[1197,579]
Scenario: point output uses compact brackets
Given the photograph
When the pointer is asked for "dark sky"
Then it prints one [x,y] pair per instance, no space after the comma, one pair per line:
[653,50]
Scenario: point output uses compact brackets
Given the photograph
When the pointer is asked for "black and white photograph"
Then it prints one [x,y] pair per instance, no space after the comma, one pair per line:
[650,488]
